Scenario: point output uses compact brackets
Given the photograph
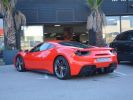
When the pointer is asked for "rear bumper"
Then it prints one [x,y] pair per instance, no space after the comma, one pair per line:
[78,68]
[80,63]
[90,69]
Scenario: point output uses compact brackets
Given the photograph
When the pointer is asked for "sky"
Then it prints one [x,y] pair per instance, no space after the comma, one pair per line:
[1,23]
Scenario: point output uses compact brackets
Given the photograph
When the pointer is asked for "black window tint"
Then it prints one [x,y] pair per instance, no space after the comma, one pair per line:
[122,36]
[46,46]
[74,44]
[130,36]
[118,37]
[125,36]
[36,49]
[41,47]
[50,46]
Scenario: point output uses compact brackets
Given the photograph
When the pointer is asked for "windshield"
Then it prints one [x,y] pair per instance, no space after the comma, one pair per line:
[75,44]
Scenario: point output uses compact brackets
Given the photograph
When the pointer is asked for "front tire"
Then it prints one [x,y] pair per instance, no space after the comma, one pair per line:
[20,66]
[61,68]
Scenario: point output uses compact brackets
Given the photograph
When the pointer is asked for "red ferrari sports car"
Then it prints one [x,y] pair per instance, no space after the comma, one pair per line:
[67,58]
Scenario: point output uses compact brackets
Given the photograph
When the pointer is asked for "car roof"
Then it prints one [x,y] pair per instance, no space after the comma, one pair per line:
[127,31]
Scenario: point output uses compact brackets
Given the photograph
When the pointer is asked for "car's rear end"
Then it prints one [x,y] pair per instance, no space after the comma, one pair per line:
[93,60]
[89,59]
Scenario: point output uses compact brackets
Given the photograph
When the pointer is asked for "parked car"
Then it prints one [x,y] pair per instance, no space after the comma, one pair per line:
[67,58]
[123,44]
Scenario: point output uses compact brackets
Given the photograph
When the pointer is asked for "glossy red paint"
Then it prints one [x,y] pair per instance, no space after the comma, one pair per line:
[44,60]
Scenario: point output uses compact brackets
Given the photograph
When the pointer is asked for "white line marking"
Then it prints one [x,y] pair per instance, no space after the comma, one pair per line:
[123,74]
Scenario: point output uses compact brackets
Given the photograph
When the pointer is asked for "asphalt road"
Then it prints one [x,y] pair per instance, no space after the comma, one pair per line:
[39,86]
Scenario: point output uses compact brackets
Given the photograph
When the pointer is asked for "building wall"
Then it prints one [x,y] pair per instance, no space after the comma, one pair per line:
[54,11]
[74,13]
[68,11]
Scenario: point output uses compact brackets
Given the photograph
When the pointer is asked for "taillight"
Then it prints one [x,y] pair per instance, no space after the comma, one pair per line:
[82,53]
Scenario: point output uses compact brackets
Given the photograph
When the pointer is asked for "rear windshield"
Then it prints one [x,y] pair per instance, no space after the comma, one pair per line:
[75,44]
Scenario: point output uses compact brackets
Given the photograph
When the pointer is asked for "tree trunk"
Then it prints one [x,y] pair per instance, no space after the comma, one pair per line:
[13,20]
[92,37]
[99,39]
[96,38]
[9,31]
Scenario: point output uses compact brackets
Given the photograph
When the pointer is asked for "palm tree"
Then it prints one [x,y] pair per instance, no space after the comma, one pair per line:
[13,20]
[95,23]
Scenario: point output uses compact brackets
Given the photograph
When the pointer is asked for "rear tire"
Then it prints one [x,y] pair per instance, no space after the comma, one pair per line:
[61,68]
[20,66]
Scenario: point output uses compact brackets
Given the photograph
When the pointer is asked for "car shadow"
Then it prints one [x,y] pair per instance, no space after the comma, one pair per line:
[42,73]
[94,77]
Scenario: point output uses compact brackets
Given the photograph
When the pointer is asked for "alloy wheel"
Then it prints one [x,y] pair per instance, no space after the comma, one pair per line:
[61,68]
[19,64]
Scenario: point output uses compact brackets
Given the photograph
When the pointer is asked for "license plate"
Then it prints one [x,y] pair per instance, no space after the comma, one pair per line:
[103,60]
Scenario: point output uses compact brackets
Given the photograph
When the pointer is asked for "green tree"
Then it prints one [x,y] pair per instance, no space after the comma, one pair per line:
[13,20]
[96,21]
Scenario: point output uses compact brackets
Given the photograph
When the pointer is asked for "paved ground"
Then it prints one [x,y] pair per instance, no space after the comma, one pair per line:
[37,86]
[1,62]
